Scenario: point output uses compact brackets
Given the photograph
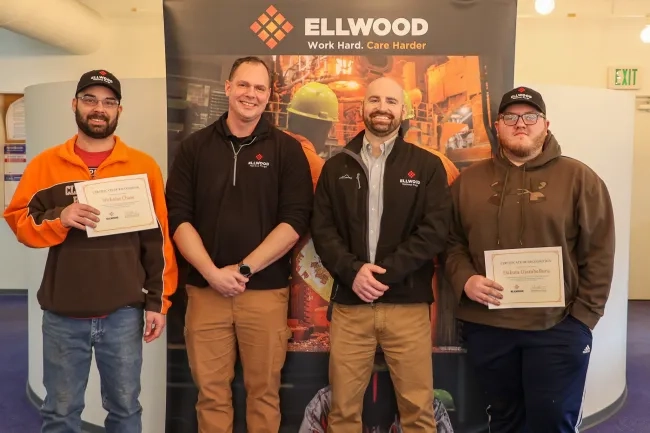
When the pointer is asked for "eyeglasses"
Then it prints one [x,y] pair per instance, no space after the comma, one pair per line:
[528,118]
[92,101]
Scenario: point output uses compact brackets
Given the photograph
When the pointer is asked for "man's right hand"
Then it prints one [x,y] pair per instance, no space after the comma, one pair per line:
[366,286]
[227,281]
[484,291]
[79,216]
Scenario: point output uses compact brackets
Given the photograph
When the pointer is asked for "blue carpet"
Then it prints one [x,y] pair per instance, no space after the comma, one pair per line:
[17,414]
[634,416]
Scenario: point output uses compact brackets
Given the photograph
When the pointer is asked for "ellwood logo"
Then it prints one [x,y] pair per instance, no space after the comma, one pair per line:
[101,78]
[271,27]
[410,181]
[259,163]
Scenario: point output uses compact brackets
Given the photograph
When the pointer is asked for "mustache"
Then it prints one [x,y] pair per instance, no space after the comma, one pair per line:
[98,117]
[382,113]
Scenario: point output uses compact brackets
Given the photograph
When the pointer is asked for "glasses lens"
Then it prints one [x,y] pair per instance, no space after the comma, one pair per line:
[510,119]
[530,118]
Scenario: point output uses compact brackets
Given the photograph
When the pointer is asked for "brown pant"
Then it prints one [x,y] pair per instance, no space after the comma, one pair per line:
[404,333]
[255,322]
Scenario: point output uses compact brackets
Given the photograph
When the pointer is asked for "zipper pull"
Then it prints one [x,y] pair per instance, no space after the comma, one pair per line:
[234,170]
[359,180]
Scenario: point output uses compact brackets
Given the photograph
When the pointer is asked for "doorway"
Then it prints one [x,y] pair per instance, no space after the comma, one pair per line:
[639,286]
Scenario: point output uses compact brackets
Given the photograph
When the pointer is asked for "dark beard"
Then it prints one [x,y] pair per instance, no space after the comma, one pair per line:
[390,128]
[95,133]
[524,152]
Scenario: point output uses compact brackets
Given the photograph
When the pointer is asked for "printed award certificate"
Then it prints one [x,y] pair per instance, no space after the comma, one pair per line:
[530,277]
[124,204]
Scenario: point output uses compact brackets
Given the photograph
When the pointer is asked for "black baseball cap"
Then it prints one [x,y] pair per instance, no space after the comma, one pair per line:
[523,95]
[100,77]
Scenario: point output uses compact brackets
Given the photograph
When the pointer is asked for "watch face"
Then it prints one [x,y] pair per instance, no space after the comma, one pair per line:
[244,270]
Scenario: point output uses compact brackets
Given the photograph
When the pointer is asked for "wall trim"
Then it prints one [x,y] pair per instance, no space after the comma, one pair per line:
[22,292]
[86,427]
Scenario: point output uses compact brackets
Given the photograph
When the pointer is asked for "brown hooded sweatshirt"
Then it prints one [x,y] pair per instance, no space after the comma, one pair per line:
[552,200]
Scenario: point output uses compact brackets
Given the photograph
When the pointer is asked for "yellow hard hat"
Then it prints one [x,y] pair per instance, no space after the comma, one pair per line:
[316,101]
[408,105]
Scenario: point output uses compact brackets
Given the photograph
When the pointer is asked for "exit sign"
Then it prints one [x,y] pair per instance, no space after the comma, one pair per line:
[623,78]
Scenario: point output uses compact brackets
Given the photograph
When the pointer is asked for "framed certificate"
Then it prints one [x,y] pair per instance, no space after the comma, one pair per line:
[530,277]
[124,204]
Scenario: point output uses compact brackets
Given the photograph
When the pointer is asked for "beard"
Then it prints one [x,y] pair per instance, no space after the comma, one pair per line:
[96,132]
[520,149]
[381,129]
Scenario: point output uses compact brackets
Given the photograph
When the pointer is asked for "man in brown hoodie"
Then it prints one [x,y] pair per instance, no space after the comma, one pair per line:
[531,362]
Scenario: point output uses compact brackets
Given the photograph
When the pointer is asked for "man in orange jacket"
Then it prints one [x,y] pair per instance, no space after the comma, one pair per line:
[94,289]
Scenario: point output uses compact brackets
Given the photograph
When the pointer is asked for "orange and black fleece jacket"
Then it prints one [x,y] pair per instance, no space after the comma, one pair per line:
[90,277]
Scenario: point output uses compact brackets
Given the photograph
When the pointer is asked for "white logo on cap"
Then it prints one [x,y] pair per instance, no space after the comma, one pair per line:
[521,96]
[101,78]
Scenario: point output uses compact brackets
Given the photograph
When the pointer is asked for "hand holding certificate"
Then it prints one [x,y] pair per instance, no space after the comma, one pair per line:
[531,277]
[124,203]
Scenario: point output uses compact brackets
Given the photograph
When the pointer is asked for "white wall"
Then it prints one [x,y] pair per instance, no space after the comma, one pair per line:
[577,51]
[143,126]
[130,48]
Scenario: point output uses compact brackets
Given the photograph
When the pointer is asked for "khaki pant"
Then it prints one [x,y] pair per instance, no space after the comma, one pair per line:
[254,321]
[404,333]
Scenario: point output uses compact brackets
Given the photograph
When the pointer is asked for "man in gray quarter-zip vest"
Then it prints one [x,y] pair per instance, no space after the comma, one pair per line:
[381,215]
[239,195]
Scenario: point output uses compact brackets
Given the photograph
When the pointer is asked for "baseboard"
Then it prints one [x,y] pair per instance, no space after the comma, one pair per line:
[22,292]
[603,415]
[86,427]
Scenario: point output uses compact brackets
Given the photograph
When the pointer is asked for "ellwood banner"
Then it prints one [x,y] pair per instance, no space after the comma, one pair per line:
[454,59]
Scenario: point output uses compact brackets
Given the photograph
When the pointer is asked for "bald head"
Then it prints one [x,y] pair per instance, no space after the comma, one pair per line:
[387,87]
[383,107]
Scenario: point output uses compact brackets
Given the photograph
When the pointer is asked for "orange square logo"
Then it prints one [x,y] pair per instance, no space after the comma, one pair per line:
[271,27]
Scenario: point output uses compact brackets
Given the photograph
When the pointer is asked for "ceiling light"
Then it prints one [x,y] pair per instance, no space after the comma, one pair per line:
[544,7]
[645,34]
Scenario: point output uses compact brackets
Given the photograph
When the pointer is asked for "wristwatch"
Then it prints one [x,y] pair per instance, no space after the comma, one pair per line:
[245,270]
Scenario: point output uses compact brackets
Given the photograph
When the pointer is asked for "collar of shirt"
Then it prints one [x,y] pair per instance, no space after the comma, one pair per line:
[385,147]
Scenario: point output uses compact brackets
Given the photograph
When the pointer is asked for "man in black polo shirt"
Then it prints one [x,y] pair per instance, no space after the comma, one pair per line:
[239,196]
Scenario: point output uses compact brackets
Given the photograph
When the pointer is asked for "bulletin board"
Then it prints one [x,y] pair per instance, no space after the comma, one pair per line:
[12,133]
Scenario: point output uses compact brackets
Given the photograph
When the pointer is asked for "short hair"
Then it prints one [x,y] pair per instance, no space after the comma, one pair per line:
[250,59]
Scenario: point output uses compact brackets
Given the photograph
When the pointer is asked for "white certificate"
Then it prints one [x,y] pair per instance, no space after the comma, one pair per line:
[530,277]
[124,203]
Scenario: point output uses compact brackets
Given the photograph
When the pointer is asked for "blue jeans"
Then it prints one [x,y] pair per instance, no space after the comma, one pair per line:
[67,353]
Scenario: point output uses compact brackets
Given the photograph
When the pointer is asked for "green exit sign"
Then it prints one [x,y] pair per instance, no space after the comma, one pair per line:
[623,78]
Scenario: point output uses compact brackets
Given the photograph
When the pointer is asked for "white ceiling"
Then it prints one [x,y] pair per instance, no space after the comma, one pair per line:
[589,9]
[124,8]
[525,9]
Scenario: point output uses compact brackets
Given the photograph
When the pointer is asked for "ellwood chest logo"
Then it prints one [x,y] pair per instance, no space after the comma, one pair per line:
[259,163]
[410,181]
